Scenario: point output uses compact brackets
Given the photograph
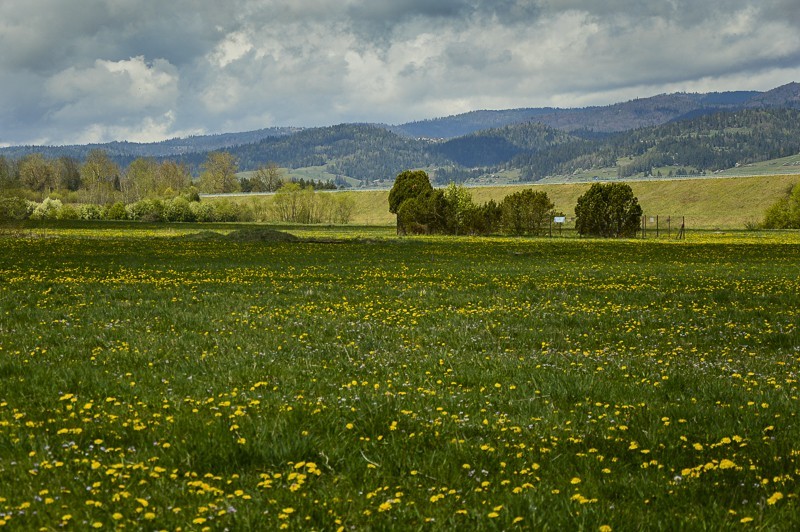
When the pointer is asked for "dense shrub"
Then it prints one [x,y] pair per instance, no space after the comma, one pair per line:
[785,213]
[115,211]
[47,210]
[13,208]
[149,210]
[91,212]
[68,212]
[525,212]
[178,210]
[608,210]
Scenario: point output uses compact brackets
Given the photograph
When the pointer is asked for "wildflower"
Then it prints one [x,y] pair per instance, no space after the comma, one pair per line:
[774,498]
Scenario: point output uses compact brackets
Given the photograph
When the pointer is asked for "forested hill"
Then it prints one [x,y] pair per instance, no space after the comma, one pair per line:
[124,152]
[703,144]
[680,132]
[362,151]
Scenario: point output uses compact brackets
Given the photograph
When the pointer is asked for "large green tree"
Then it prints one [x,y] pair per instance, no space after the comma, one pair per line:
[410,184]
[608,210]
[460,208]
[525,212]
[219,174]
[36,173]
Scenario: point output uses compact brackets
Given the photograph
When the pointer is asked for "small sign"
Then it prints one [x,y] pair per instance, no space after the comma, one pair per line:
[652,219]
[560,219]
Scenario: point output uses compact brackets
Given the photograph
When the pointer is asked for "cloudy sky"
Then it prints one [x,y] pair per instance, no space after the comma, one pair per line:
[77,71]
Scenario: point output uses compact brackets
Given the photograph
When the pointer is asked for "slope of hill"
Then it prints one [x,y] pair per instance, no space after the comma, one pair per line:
[624,116]
[719,204]
[463,124]
[677,132]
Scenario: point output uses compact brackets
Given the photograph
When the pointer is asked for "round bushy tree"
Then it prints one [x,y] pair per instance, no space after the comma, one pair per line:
[608,210]
[525,212]
[411,184]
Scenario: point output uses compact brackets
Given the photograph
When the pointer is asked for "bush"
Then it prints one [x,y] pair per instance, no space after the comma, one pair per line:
[204,212]
[227,211]
[785,213]
[178,210]
[13,208]
[47,210]
[608,210]
[91,211]
[525,212]
[115,212]
[150,210]
[68,212]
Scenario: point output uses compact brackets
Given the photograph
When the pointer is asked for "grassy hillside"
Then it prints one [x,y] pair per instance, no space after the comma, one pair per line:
[726,203]
[707,203]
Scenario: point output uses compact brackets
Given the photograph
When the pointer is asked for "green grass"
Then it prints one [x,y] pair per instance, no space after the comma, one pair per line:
[153,378]
[785,165]
[706,203]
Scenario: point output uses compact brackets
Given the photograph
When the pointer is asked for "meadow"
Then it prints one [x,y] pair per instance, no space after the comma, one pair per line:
[706,203]
[192,377]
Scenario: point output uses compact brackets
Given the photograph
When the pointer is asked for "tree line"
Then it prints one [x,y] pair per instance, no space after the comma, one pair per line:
[99,179]
[98,189]
[605,210]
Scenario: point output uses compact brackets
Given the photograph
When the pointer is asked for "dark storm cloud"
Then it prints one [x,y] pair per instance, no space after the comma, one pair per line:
[75,71]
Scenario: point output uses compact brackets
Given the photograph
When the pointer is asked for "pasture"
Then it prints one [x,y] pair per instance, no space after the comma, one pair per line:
[727,203]
[174,377]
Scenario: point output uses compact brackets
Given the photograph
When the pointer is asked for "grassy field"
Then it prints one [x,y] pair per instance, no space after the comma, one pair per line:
[211,377]
[708,203]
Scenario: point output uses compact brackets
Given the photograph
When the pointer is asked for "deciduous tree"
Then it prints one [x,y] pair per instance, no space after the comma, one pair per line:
[219,174]
[525,212]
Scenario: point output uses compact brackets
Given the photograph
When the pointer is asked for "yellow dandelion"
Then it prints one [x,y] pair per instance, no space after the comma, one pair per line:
[775,498]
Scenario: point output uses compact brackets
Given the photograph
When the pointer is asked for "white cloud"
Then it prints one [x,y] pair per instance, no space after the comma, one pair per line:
[142,68]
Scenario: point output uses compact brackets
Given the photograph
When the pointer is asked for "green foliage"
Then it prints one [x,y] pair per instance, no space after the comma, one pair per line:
[68,212]
[116,211]
[219,174]
[785,213]
[91,212]
[460,207]
[47,210]
[13,208]
[608,210]
[526,212]
[485,219]
[149,210]
[412,186]
[408,184]
[178,210]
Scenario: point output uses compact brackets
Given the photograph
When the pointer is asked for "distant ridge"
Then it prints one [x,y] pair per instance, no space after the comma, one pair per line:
[633,114]
[668,133]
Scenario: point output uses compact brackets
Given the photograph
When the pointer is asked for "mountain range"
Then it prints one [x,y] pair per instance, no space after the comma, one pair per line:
[680,132]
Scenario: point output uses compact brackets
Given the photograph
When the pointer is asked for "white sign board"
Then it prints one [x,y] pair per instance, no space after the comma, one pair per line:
[560,219]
